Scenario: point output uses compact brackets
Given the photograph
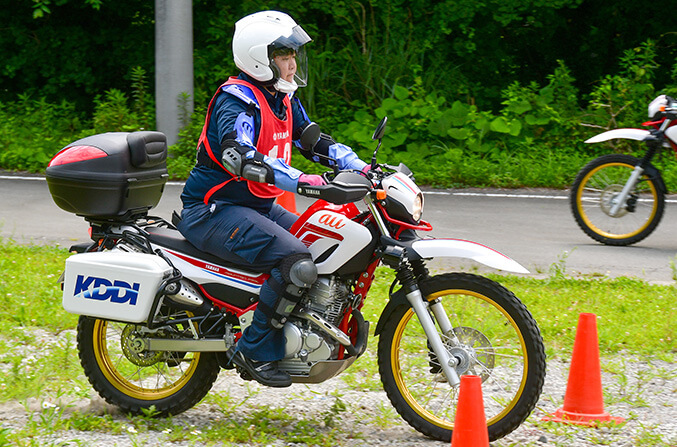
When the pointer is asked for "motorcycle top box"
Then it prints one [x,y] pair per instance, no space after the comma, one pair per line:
[112,175]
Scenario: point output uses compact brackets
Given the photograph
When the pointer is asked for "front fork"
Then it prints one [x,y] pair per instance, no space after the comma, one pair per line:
[422,309]
[393,256]
[621,199]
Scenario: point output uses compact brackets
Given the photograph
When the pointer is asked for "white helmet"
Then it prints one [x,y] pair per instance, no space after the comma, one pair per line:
[257,36]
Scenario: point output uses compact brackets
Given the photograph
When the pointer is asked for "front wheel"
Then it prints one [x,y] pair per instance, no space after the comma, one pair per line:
[595,191]
[492,335]
[132,379]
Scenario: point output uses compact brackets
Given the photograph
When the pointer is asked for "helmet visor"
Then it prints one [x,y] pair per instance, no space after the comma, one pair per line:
[292,43]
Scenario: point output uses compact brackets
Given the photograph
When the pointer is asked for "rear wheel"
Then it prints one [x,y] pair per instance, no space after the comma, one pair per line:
[493,336]
[133,379]
[595,190]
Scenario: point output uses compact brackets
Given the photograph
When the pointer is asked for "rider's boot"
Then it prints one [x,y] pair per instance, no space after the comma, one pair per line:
[266,373]
[288,283]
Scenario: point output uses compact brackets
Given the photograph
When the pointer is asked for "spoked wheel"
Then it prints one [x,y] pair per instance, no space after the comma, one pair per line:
[492,335]
[596,190]
[113,357]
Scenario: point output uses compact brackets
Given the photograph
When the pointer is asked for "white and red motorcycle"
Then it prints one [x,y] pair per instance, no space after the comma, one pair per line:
[618,199]
[157,315]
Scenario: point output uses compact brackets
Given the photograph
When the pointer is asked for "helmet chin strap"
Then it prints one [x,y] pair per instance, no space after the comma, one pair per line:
[285,86]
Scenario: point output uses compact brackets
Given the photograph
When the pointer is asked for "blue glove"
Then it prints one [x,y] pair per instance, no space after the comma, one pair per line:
[345,157]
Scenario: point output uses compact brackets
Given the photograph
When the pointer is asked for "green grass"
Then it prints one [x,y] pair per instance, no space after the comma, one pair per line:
[632,315]
[29,295]
[38,359]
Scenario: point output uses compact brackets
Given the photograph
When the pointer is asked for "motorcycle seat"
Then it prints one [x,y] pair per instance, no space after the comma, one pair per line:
[174,240]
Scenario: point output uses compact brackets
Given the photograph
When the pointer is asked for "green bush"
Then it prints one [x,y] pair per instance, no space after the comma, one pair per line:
[458,144]
[536,139]
[182,154]
[32,131]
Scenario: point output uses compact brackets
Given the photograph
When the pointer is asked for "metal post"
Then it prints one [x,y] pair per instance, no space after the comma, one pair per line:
[173,65]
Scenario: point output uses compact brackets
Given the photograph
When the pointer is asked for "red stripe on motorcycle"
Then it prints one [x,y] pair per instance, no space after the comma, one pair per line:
[405,185]
[308,227]
[309,239]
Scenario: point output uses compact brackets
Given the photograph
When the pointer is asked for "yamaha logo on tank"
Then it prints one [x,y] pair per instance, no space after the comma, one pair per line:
[102,289]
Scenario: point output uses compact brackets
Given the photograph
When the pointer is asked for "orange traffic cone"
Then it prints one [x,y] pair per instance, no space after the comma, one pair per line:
[288,202]
[470,425]
[583,401]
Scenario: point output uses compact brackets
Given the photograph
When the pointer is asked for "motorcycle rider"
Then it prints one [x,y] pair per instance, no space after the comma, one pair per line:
[242,165]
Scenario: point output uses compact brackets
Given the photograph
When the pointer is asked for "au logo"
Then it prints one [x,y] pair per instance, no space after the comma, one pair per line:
[332,221]
[103,290]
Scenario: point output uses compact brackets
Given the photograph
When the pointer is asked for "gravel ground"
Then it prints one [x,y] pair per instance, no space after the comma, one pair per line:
[645,393]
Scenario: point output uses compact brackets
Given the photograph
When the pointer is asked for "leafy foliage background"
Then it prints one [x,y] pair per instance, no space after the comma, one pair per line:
[492,93]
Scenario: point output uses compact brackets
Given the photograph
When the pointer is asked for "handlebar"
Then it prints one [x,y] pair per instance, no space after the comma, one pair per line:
[345,187]
[351,185]
[669,111]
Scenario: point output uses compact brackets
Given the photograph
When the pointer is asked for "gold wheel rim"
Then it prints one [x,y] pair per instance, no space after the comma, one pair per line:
[123,384]
[595,228]
[404,389]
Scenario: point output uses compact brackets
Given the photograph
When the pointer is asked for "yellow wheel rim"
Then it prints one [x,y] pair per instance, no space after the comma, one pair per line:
[152,382]
[415,403]
[593,226]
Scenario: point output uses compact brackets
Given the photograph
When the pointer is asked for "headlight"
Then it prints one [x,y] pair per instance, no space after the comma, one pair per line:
[404,200]
[418,207]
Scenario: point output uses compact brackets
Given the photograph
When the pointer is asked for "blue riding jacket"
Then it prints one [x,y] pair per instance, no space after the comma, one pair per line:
[232,118]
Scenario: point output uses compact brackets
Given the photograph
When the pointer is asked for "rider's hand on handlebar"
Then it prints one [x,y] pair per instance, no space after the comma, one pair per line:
[367,169]
[311,180]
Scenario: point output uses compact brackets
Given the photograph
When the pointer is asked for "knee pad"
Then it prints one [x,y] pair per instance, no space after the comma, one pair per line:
[297,273]
[299,270]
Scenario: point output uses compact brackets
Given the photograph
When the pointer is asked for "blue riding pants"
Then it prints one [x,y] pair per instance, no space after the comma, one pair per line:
[255,240]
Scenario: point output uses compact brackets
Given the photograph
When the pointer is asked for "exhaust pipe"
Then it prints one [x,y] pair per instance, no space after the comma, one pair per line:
[183,296]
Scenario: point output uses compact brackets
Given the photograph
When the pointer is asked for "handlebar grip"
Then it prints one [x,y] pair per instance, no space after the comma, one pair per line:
[310,191]
[338,192]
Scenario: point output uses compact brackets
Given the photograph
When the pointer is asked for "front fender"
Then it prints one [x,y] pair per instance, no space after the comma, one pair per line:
[457,248]
[397,299]
[630,134]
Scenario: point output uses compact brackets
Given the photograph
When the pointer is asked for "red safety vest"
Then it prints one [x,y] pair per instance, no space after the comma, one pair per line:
[274,140]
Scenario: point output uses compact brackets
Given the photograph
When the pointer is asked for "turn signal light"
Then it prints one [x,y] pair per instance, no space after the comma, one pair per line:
[381,194]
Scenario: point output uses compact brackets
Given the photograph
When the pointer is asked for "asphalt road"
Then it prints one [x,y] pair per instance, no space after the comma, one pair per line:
[533,227]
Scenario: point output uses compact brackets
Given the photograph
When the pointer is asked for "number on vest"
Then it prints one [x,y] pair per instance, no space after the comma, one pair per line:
[286,153]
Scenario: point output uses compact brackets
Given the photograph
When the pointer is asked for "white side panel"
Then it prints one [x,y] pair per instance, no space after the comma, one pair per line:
[202,272]
[671,133]
[326,229]
[456,248]
[113,285]
[630,134]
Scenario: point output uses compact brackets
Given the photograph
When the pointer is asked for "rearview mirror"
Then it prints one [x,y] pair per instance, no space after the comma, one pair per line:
[378,135]
[380,129]
[309,136]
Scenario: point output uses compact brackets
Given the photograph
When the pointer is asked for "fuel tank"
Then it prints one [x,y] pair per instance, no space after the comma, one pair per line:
[332,238]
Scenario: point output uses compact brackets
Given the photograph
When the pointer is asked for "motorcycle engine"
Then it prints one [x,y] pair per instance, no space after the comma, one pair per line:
[328,297]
